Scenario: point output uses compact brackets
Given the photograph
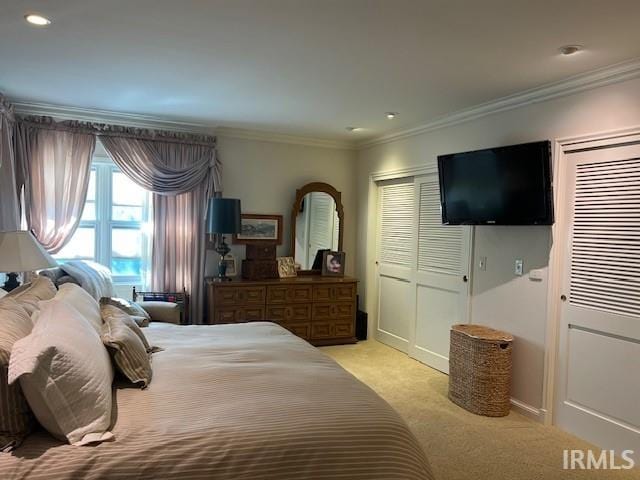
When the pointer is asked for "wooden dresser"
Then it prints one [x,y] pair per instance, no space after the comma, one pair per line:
[319,309]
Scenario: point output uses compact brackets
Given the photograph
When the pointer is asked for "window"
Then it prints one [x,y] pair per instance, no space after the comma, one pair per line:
[114,228]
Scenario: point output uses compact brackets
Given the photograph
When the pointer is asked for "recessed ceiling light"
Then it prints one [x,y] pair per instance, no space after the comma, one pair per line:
[391,115]
[37,20]
[354,129]
[570,49]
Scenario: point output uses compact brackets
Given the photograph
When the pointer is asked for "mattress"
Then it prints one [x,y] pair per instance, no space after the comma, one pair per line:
[246,401]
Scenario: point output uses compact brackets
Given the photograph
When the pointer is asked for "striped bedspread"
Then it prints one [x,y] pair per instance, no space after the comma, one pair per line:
[247,401]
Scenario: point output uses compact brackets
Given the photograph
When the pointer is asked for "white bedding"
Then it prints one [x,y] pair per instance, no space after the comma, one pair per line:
[247,401]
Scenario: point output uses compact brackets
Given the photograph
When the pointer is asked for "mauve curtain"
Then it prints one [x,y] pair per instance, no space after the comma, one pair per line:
[182,171]
[9,200]
[54,164]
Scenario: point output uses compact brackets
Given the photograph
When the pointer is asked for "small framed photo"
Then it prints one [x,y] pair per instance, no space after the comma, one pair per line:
[333,263]
[286,267]
[259,229]
[230,261]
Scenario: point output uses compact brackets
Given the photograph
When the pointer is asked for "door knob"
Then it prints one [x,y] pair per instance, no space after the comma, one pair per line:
[465,278]
[563,298]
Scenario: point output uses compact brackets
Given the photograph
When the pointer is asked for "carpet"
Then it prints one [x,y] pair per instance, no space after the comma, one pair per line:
[459,444]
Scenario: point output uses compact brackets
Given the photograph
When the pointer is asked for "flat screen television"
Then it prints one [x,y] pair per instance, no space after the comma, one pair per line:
[498,186]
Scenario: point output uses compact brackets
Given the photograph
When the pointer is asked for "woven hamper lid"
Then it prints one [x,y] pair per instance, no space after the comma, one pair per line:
[483,333]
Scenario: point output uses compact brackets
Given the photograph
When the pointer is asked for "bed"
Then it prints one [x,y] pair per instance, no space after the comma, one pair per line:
[245,401]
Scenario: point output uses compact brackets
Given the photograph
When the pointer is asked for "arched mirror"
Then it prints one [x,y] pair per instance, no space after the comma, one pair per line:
[317,221]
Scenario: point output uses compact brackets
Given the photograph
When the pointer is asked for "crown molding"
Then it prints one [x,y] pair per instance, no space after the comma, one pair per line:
[578,83]
[108,116]
[153,122]
[267,136]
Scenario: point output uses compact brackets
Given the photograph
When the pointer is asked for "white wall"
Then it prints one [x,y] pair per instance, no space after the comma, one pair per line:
[499,298]
[265,176]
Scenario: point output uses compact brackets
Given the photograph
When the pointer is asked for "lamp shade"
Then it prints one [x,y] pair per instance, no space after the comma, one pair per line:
[223,215]
[21,252]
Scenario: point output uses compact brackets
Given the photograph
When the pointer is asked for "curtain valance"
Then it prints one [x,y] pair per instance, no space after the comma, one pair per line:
[106,130]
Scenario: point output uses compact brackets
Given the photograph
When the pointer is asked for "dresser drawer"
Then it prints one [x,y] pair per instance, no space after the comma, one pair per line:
[302,330]
[343,329]
[289,313]
[276,313]
[322,293]
[333,311]
[344,292]
[298,313]
[250,314]
[321,330]
[289,294]
[332,329]
[336,292]
[225,315]
[239,295]
[239,314]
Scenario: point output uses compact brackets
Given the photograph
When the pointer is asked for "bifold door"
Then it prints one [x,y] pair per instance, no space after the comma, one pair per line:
[396,255]
[423,271]
[441,277]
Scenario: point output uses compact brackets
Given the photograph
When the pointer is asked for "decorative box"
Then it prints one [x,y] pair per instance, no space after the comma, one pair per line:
[259,269]
[261,251]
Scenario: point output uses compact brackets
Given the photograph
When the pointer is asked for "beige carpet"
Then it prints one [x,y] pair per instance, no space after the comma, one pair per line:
[461,445]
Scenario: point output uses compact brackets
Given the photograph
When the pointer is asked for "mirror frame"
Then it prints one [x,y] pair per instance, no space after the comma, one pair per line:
[300,194]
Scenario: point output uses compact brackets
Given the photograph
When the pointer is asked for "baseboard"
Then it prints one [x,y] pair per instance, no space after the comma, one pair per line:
[537,414]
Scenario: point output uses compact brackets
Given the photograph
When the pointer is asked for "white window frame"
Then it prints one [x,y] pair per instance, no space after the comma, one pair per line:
[104,224]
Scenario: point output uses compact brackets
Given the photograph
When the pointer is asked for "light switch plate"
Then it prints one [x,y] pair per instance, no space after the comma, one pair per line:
[518,267]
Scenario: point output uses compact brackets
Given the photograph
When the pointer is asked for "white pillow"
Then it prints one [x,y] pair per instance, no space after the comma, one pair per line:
[2,293]
[77,297]
[65,373]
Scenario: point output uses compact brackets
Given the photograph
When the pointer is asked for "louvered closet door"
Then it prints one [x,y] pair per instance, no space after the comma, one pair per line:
[598,389]
[395,260]
[442,276]
[323,219]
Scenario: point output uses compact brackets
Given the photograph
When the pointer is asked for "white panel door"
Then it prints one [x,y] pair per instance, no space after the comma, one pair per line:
[442,276]
[396,254]
[598,390]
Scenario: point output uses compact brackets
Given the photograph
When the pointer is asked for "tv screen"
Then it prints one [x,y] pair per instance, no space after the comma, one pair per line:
[498,186]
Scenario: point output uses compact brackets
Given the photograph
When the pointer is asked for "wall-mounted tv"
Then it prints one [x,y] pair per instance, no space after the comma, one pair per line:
[498,186]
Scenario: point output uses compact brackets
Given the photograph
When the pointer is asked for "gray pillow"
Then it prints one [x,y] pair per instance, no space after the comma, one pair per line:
[126,306]
[129,354]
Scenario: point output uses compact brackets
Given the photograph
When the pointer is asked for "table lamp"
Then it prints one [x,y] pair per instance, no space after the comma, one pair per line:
[21,252]
[223,217]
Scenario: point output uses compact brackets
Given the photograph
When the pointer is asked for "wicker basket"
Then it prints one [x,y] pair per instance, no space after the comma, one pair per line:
[480,369]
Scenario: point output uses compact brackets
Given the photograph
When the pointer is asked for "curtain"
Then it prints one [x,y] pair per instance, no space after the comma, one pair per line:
[182,171]
[9,200]
[54,164]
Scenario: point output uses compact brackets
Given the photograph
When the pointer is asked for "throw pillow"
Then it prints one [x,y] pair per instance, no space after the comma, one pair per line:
[65,373]
[129,354]
[28,295]
[16,419]
[126,306]
[108,311]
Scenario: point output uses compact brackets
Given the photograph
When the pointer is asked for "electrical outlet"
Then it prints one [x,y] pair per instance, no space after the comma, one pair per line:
[482,263]
[518,267]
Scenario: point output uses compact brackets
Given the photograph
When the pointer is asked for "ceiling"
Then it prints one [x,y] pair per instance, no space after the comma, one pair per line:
[303,67]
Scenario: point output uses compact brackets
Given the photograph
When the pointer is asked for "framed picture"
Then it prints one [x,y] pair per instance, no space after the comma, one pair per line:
[230,261]
[333,263]
[286,267]
[259,228]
